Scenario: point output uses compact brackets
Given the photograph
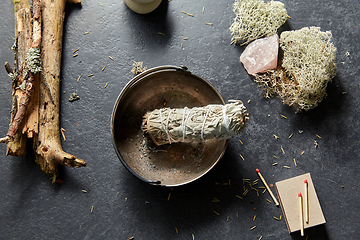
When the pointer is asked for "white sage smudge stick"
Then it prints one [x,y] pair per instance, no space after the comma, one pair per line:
[166,125]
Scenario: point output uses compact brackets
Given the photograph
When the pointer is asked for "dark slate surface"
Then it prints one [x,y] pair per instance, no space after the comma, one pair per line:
[31,207]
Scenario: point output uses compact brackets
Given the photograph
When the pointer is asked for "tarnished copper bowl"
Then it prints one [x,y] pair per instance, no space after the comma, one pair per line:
[173,164]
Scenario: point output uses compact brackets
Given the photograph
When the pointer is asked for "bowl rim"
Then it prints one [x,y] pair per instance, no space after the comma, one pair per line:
[131,83]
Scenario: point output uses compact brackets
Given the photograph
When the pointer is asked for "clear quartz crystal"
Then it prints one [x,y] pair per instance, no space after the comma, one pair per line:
[261,55]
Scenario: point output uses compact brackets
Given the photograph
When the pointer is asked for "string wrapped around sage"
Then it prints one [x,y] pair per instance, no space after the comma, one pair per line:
[166,125]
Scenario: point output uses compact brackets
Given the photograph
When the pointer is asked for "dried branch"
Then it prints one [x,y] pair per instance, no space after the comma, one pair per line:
[23,39]
[8,68]
[47,144]
[38,115]
[33,67]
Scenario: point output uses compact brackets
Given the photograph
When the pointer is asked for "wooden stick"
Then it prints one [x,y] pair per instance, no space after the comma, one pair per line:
[5,139]
[48,151]
[8,68]
[16,145]
[38,36]
[301,215]
[267,187]
[306,197]
[24,91]
[23,103]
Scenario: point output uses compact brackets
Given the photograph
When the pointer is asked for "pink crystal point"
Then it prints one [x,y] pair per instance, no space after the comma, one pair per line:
[261,55]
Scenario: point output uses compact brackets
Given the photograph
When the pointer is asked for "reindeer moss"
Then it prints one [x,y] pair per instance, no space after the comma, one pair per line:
[309,61]
[255,19]
[307,66]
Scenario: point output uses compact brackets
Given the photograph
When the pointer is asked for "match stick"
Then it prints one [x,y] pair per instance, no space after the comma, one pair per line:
[267,187]
[301,215]
[306,198]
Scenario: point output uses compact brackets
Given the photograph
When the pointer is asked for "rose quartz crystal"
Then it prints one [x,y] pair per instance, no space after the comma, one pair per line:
[261,55]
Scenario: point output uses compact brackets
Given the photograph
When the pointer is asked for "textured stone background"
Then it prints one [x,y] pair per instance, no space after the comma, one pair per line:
[33,208]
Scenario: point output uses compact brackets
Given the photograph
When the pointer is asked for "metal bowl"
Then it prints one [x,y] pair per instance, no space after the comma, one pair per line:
[173,164]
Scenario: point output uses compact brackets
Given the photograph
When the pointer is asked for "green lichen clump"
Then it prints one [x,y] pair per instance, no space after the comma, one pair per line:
[309,63]
[33,60]
[306,68]
[73,97]
[255,19]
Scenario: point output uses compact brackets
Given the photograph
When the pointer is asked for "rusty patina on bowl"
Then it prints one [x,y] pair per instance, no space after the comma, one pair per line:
[173,164]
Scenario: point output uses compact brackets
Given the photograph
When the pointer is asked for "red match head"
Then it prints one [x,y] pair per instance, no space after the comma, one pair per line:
[299,194]
[257,170]
[305,181]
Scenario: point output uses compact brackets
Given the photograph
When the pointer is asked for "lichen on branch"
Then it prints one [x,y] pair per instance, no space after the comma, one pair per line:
[33,60]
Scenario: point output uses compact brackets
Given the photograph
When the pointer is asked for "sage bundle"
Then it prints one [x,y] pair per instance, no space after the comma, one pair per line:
[172,125]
